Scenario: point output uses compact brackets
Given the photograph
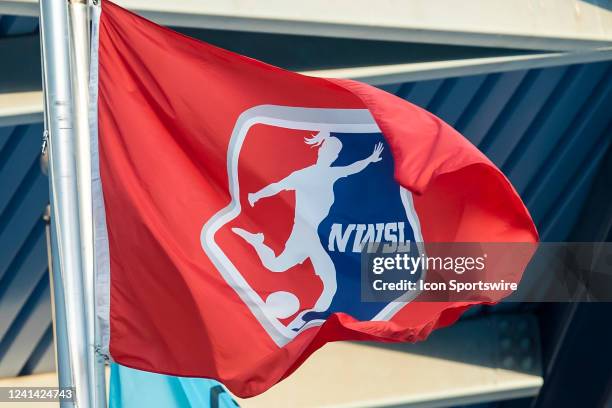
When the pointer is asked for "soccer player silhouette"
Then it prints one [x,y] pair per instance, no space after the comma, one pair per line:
[314,197]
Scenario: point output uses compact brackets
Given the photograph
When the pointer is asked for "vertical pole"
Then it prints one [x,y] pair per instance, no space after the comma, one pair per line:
[58,315]
[79,25]
[58,308]
[62,175]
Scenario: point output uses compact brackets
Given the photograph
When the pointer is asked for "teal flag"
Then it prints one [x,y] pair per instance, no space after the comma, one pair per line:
[131,388]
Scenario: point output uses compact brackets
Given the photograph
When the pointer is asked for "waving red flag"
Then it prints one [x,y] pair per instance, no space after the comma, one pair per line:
[235,197]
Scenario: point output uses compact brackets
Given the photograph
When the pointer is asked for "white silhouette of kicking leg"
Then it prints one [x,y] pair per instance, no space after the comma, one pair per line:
[326,271]
[287,259]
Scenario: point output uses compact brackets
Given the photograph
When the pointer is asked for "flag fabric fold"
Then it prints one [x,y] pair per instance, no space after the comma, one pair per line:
[236,195]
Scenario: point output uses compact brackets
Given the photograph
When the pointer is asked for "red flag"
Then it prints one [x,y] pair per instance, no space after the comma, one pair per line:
[237,197]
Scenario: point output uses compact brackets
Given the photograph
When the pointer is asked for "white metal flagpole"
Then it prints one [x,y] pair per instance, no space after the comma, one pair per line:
[79,26]
[63,180]
[58,314]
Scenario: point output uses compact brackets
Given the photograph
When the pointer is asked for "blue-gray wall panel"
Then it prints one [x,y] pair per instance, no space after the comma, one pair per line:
[546,128]
[24,282]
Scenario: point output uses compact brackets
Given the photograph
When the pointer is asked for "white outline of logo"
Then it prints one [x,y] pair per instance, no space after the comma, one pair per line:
[313,119]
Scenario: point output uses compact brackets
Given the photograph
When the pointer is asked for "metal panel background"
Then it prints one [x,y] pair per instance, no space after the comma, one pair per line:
[15,25]
[26,334]
[25,315]
[547,129]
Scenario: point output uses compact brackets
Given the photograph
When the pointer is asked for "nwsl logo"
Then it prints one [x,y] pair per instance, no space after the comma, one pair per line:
[309,189]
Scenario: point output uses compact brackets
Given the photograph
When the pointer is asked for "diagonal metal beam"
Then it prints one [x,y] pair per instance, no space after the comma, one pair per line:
[521,24]
[20,108]
[26,107]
